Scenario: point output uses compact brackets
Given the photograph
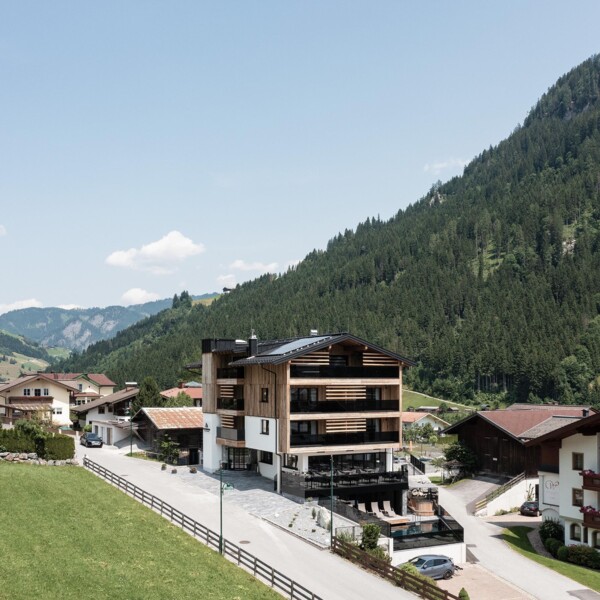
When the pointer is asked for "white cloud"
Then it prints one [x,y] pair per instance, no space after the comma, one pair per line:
[158,257]
[292,263]
[242,265]
[444,165]
[138,296]
[69,306]
[2,230]
[226,280]
[29,303]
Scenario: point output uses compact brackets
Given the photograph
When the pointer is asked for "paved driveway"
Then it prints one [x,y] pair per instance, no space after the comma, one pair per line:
[487,549]
[325,574]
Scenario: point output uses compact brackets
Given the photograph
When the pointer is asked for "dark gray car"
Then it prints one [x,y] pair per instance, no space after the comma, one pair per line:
[435,566]
[90,439]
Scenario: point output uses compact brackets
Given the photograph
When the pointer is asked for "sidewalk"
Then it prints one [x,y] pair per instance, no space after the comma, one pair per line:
[323,573]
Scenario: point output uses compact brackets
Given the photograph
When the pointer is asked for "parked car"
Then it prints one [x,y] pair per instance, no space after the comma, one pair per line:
[90,439]
[436,566]
[530,509]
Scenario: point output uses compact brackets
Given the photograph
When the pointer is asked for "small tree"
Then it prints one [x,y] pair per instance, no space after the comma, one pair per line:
[462,454]
[169,450]
[182,399]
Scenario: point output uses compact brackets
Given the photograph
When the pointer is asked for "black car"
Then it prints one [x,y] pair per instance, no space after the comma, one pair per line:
[90,439]
[530,509]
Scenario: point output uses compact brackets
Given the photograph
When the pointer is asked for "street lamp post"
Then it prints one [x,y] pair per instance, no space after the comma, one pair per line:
[130,433]
[221,509]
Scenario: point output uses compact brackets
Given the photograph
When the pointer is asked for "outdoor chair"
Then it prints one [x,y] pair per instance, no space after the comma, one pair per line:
[388,510]
[375,511]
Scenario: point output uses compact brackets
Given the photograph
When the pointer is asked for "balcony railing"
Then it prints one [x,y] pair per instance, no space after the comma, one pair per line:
[230,373]
[344,439]
[591,481]
[330,406]
[321,371]
[592,520]
[230,403]
[234,435]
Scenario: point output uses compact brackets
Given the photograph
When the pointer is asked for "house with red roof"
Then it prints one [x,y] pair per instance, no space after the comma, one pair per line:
[418,419]
[192,389]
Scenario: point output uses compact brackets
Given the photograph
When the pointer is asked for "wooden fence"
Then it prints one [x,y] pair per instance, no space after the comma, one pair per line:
[401,578]
[260,569]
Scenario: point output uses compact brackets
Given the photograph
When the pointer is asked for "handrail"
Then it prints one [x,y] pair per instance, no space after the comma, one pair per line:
[483,502]
[258,568]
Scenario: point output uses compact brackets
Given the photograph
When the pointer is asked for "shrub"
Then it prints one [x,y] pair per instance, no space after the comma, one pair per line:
[87,428]
[58,447]
[15,441]
[415,583]
[552,545]
[563,554]
[584,556]
[551,528]
[463,594]
[380,553]
[370,536]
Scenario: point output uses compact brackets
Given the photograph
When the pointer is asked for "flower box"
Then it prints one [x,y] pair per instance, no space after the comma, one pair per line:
[591,480]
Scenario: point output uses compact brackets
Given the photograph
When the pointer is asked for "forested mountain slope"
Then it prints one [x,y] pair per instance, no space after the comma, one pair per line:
[491,281]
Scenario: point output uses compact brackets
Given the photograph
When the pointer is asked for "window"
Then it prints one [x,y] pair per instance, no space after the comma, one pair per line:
[290,461]
[575,532]
[596,539]
[266,458]
[101,410]
[46,392]
[373,394]
[305,396]
[109,408]
[80,386]
[299,426]
[577,497]
[577,461]
[57,411]
[27,392]
[264,426]
[338,360]
[264,394]
[37,392]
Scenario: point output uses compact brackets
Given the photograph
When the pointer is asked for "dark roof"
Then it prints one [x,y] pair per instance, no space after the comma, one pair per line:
[125,394]
[517,422]
[586,425]
[275,352]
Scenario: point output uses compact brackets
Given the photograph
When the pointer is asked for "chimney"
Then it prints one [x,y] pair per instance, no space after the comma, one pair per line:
[180,385]
[253,349]
[585,412]
[130,385]
[314,332]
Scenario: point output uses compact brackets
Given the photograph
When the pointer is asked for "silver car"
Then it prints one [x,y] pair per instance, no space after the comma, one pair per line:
[435,566]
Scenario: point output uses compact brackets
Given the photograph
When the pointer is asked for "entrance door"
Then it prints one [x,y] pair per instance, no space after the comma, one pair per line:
[193,458]
[108,436]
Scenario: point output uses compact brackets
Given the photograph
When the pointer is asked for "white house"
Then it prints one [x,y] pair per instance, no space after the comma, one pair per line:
[569,474]
[109,415]
[38,395]
[418,419]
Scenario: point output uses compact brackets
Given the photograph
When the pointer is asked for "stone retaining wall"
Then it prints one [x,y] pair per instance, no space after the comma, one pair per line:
[33,459]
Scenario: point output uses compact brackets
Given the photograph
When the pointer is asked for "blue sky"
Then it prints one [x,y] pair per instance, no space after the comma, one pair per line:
[149,147]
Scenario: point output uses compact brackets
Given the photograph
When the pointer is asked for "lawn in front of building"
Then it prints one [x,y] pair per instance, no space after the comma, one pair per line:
[66,534]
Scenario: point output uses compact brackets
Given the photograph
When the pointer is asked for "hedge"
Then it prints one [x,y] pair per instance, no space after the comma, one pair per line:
[584,556]
[552,545]
[55,447]
[14,441]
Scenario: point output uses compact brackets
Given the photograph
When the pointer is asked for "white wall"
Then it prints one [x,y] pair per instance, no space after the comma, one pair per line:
[257,440]
[549,493]
[212,452]
[457,552]
[515,496]
[117,433]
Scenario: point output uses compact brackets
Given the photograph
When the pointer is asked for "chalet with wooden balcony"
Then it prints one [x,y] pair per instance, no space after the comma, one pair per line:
[290,408]
[569,475]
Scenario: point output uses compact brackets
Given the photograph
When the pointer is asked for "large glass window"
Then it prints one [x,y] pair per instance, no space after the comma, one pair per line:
[373,393]
[290,461]
[308,395]
[577,497]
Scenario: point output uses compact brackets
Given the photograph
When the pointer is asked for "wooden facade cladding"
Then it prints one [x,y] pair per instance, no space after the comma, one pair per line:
[498,452]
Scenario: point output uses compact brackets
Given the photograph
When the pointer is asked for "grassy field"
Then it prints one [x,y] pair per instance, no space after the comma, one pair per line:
[65,534]
[516,538]
[24,363]
[416,400]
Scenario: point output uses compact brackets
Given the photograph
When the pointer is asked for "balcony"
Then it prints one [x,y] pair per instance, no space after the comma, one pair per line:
[234,435]
[592,519]
[591,481]
[344,439]
[230,404]
[326,371]
[315,484]
[230,373]
[334,406]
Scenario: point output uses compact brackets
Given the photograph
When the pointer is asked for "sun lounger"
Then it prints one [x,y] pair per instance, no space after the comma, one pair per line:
[388,511]
[375,510]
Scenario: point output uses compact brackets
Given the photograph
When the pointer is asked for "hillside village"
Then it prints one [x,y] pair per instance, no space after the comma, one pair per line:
[321,418]
[394,394]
